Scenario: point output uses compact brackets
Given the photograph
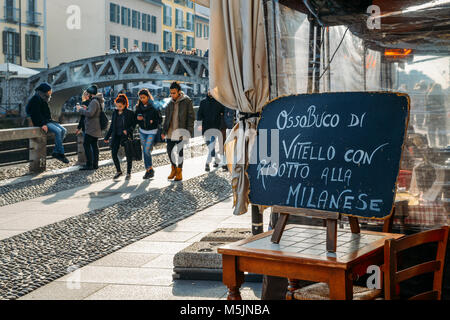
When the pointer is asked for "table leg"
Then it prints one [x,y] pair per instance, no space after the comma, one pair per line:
[341,286]
[232,277]
[331,235]
[293,285]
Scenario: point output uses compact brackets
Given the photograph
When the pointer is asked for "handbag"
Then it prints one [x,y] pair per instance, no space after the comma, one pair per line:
[133,148]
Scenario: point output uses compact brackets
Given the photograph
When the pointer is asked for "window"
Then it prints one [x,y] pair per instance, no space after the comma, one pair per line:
[154,24]
[125,43]
[167,39]
[126,16]
[147,21]
[206,31]
[136,43]
[178,18]
[199,30]
[136,20]
[11,45]
[114,41]
[144,22]
[189,4]
[167,19]
[190,43]
[114,13]
[150,47]
[179,41]
[190,21]
[33,47]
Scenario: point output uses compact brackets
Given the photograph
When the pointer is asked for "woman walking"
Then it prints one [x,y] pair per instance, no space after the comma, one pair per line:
[92,129]
[121,129]
[149,120]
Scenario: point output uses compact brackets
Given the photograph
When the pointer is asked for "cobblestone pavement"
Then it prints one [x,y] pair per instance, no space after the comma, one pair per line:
[35,258]
[22,170]
[27,190]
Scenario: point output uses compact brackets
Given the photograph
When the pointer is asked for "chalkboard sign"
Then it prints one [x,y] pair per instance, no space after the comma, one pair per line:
[335,152]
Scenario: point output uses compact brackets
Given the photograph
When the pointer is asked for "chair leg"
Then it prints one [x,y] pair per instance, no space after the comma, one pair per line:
[293,285]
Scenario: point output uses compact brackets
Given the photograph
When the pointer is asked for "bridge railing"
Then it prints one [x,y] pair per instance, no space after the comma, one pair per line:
[38,144]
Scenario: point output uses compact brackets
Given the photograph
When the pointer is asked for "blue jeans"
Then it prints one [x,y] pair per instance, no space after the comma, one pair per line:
[147,141]
[60,134]
[211,144]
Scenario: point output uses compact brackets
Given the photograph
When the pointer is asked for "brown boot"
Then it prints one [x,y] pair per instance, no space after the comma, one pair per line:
[179,175]
[173,173]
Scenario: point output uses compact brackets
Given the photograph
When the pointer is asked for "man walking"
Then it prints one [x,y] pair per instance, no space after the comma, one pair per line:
[180,117]
[211,114]
[39,111]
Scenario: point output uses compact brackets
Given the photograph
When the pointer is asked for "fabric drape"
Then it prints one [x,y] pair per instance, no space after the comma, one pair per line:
[239,79]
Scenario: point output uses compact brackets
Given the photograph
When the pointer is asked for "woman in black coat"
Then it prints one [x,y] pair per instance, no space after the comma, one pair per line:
[149,120]
[121,129]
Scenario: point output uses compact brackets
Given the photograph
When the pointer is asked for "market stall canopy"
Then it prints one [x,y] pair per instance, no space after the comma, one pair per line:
[17,71]
[423,26]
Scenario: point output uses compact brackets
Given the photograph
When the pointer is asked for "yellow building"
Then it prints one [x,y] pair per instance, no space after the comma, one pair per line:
[178,25]
[22,25]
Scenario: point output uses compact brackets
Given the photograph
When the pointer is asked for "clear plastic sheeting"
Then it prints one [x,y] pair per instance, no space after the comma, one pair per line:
[337,59]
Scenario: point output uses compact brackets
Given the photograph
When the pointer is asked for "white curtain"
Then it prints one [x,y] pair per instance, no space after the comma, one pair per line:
[239,78]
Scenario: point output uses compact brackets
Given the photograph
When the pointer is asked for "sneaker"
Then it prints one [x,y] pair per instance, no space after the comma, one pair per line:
[149,174]
[64,159]
[207,168]
[216,165]
[95,166]
[60,157]
[225,168]
[118,174]
[128,177]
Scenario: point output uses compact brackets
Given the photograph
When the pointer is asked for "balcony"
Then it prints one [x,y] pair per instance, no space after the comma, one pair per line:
[34,18]
[184,26]
[11,14]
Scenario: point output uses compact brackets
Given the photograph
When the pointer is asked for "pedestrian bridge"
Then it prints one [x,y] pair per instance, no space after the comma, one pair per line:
[68,79]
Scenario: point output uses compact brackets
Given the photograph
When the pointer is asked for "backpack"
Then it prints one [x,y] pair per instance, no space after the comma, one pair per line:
[103,120]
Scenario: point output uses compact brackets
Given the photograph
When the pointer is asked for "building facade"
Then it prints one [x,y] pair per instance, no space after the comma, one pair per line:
[201,33]
[92,28]
[178,25]
[23,27]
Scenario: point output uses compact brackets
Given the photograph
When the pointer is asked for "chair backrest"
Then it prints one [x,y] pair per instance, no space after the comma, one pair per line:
[393,277]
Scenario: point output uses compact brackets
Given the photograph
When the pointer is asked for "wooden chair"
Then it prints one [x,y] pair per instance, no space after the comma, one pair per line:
[392,277]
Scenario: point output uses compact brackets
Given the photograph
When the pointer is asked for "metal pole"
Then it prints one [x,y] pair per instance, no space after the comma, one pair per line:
[20,31]
[311,55]
[317,53]
[8,98]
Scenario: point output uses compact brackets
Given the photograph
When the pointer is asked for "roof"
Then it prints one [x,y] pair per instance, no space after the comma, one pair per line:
[18,71]
[423,26]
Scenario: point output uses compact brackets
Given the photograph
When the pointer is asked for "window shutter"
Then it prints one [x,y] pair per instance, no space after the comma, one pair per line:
[27,47]
[5,42]
[16,44]
[38,48]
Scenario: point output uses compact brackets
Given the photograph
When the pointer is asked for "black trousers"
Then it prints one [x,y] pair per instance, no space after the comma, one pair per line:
[177,159]
[115,146]
[90,145]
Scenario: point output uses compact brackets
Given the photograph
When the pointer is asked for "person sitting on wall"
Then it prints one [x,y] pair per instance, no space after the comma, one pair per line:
[39,112]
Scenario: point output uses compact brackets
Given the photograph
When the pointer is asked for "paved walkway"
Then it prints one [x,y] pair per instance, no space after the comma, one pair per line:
[144,269]
[28,215]
[141,270]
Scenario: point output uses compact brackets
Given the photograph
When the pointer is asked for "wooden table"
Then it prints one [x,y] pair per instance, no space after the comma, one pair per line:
[301,255]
